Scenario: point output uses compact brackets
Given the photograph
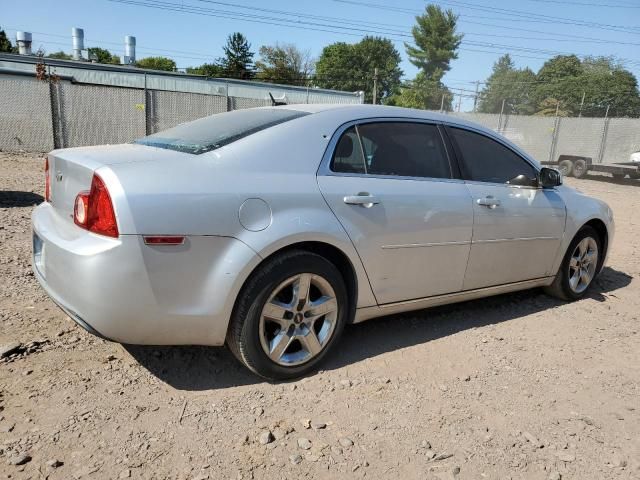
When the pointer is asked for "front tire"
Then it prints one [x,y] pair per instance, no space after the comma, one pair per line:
[289,315]
[579,267]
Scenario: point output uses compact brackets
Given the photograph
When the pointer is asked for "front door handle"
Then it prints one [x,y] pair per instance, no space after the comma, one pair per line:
[489,202]
[363,199]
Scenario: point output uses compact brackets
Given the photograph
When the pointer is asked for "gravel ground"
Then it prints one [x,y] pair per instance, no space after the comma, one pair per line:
[518,386]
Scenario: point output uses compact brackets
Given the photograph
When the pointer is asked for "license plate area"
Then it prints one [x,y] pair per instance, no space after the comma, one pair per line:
[38,254]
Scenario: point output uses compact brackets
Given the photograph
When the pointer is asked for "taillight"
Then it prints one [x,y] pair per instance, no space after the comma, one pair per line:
[47,181]
[93,210]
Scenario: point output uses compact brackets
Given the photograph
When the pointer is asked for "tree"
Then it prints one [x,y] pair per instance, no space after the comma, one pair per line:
[436,44]
[103,55]
[550,107]
[514,86]
[60,55]
[351,67]
[238,57]
[284,64]
[600,80]
[423,93]
[5,43]
[436,41]
[157,63]
[207,69]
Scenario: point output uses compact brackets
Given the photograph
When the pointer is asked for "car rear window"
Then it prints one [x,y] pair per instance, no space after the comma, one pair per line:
[215,131]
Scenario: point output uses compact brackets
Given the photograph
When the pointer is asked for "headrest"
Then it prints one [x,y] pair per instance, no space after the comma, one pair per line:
[345,147]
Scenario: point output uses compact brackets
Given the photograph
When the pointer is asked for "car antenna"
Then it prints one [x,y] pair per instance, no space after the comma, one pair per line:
[276,103]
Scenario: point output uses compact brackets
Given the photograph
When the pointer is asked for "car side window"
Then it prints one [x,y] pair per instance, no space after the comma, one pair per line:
[486,160]
[347,157]
[404,149]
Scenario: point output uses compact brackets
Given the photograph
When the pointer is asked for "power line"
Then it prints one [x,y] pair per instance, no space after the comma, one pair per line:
[586,4]
[536,17]
[317,26]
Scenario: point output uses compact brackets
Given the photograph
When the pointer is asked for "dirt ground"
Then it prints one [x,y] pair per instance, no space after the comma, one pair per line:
[519,386]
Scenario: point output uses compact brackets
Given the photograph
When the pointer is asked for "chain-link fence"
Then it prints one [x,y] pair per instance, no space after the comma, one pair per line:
[40,116]
[604,140]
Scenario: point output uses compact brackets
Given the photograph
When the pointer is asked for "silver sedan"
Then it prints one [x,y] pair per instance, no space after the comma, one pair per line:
[271,229]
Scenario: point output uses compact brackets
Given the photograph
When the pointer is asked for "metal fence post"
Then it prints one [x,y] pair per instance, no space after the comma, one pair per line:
[500,117]
[147,105]
[57,123]
[554,139]
[603,140]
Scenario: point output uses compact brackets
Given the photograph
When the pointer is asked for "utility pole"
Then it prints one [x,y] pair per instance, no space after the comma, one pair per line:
[581,104]
[442,104]
[459,102]
[475,98]
[375,85]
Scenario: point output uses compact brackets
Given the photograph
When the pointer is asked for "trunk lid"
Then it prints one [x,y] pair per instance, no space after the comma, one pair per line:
[72,169]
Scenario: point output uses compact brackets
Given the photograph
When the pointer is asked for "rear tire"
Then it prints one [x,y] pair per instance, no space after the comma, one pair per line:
[580,168]
[289,315]
[634,176]
[566,168]
[579,267]
[618,176]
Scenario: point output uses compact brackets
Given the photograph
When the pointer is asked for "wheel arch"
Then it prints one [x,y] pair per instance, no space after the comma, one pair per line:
[331,252]
[600,227]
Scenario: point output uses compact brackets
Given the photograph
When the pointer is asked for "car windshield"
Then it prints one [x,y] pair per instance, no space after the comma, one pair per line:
[215,131]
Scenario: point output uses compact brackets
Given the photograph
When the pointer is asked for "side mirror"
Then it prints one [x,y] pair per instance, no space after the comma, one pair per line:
[550,177]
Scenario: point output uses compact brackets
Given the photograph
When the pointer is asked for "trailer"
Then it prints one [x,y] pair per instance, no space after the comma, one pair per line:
[579,166]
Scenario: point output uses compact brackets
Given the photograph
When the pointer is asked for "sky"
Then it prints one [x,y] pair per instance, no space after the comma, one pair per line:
[530,30]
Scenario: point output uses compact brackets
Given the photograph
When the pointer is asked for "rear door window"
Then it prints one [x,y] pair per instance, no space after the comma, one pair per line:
[404,149]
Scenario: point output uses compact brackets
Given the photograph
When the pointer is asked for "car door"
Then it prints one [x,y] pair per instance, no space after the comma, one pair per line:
[390,184]
[518,226]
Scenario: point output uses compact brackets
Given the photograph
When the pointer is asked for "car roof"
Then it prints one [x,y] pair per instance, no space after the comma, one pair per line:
[348,112]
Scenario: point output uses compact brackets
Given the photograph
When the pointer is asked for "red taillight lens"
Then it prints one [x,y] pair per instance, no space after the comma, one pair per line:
[47,181]
[93,210]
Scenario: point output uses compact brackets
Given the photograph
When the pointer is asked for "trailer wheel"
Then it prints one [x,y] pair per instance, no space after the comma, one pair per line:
[566,168]
[618,176]
[634,176]
[580,168]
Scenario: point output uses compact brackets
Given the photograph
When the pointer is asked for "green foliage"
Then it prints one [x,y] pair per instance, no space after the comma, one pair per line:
[601,80]
[550,107]
[238,57]
[350,67]
[563,79]
[515,86]
[103,56]
[422,93]
[436,41]
[284,64]
[436,44]
[5,43]
[60,55]
[157,63]
[207,69]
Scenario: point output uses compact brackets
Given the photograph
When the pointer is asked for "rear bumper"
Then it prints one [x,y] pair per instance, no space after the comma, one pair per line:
[129,292]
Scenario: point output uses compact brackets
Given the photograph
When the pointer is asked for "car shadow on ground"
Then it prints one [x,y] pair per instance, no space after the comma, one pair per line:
[204,368]
[9,199]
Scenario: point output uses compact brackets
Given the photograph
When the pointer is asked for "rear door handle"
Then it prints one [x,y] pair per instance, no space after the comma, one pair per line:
[489,202]
[363,199]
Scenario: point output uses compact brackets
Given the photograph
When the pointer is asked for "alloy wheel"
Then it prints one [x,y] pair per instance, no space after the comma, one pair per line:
[582,265]
[298,319]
